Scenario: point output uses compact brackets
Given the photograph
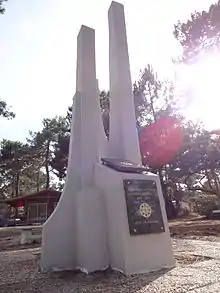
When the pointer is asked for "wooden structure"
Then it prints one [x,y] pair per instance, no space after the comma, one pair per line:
[38,206]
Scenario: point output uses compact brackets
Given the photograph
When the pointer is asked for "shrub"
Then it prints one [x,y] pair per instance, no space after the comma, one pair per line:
[204,204]
[184,210]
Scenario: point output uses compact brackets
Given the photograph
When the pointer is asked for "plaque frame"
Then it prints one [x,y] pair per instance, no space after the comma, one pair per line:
[143,207]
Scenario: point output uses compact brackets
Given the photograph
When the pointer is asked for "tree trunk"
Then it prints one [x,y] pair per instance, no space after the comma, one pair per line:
[47,165]
[17,191]
[208,178]
[216,182]
[38,180]
[17,178]
[170,209]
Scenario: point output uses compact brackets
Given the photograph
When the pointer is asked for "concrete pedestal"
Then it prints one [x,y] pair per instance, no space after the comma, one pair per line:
[91,241]
[89,227]
[131,254]
[26,236]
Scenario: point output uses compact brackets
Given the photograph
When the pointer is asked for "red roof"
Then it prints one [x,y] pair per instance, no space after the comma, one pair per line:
[42,193]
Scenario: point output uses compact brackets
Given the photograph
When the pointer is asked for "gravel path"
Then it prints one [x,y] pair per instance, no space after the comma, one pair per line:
[197,271]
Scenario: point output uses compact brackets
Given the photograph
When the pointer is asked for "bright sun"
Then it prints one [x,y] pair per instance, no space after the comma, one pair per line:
[203,83]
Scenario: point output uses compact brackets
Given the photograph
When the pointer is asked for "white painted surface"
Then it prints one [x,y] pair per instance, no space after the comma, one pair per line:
[132,254]
[124,143]
[58,233]
[76,226]
[26,236]
[89,227]
[92,252]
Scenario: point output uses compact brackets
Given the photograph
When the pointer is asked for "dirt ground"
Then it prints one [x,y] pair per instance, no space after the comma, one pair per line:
[10,238]
[19,265]
[195,228]
[197,270]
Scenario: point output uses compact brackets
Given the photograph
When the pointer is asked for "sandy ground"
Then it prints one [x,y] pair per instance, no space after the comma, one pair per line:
[196,244]
[10,238]
[197,271]
[196,228]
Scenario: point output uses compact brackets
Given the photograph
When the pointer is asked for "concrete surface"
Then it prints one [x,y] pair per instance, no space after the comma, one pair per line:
[12,231]
[77,216]
[123,136]
[132,254]
[78,226]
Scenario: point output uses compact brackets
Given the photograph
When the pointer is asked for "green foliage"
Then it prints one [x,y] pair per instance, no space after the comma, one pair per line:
[200,33]
[2,10]
[197,164]
[44,142]
[17,169]
[153,97]
[4,110]
[204,204]
[105,109]
[60,156]
[61,146]
[184,211]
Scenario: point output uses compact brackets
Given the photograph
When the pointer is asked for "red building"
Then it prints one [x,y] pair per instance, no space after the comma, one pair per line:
[37,206]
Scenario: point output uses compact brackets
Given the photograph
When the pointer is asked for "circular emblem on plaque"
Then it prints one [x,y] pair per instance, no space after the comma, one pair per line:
[145,210]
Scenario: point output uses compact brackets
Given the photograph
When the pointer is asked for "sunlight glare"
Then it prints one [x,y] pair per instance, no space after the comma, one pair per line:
[203,82]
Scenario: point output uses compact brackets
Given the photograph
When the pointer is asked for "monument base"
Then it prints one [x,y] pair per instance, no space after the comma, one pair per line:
[58,251]
[74,237]
[133,253]
[91,241]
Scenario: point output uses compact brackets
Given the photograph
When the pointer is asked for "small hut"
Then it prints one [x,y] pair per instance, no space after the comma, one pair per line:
[37,206]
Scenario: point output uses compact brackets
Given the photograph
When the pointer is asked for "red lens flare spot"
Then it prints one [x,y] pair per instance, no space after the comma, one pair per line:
[160,141]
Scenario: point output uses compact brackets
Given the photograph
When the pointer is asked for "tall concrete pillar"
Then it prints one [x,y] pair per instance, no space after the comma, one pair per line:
[87,86]
[90,216]
[124,143]
[74,236]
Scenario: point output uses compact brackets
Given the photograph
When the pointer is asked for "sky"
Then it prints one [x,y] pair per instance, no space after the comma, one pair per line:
[38,54]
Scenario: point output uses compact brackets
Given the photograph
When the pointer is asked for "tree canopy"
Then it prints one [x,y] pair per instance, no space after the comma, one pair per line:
[19,170]
[201,33]
[2,10]
[199,161]
[43,143]
[5,111]
[189,162]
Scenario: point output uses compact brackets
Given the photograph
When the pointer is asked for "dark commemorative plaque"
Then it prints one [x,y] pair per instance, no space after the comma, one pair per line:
[143,207]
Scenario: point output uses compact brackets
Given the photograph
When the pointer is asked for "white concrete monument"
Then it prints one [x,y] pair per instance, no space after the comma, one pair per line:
[123,137]
[110,212]
[74,236]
